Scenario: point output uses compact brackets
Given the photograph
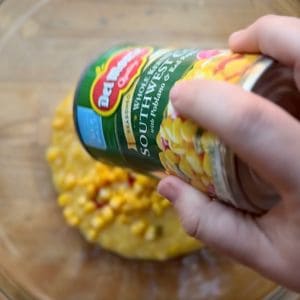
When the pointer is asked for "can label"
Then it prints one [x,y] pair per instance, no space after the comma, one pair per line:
[115,78]
[123,114]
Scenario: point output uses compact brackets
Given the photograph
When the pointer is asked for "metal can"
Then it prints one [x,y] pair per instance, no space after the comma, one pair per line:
[123,116]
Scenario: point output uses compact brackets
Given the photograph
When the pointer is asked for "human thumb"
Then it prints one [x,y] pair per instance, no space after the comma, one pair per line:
[216,224]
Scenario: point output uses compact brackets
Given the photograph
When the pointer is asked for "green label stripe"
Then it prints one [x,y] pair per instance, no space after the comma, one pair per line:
[151,97]
[148,105]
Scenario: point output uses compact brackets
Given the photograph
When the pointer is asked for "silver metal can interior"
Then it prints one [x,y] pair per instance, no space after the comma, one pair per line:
[245,189]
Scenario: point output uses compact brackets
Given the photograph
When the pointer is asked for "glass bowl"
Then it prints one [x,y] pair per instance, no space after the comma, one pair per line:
[44,46]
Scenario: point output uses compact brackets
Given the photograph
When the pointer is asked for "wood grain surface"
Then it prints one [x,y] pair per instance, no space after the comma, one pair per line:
[44,46]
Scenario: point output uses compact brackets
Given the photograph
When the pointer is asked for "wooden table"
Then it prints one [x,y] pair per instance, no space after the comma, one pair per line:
[44,46]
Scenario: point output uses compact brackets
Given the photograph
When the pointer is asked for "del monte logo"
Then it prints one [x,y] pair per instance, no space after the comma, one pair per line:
[115,78]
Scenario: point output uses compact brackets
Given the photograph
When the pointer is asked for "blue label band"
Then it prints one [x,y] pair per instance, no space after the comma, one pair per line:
[90,128]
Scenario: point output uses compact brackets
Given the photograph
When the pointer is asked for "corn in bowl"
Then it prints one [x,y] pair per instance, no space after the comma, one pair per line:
[113,207]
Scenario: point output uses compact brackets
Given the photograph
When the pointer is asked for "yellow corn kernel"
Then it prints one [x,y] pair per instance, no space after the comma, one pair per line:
[70,216]
[166,122]
[150,233]
[205,180]
[59,181]
[219,76]
[177,148]
[209,70]
[196,145]
[91,235]
[110,176]
[100,167]
[89,207]
[163,160]
[123,219]
[121,186]
[142,180]
[97,180]
[93,175]
[102,181]
[185,167]
[137,188]
[58,123]
[194,161]
[67,212]
[64,199]
[73,220]
[91,189]
[207,141]
[167,125]
[141,203]
[107,214]
[237,67]
[171,165]
[97,222]
[207,166]
[127,208]
[69,181]
[83,181]
[82,200]
[116,202]
[171,157]
[52,154]
[120,173]
[176,136]
[104,194]
[188,130]
[78,153]
[165,203]
[127,195]
[138,227]
[130,200]
[163,132]
[197,183]
[159,142]
[155,197]
[157,208]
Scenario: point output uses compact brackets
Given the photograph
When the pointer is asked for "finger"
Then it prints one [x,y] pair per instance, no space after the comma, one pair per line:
[221,227]
[276,36]
[260,132]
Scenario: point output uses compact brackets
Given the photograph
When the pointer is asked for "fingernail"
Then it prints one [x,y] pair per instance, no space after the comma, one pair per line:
[167,189]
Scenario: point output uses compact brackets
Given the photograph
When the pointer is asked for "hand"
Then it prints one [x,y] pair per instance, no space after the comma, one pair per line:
[270,144]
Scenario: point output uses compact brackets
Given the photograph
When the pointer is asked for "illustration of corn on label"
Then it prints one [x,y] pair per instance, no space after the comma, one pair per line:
[127,91]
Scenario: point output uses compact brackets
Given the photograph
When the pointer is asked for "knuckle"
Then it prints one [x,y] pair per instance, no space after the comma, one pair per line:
[248,119]
[265,21]
[265,24]
[265,28]
[192,227]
